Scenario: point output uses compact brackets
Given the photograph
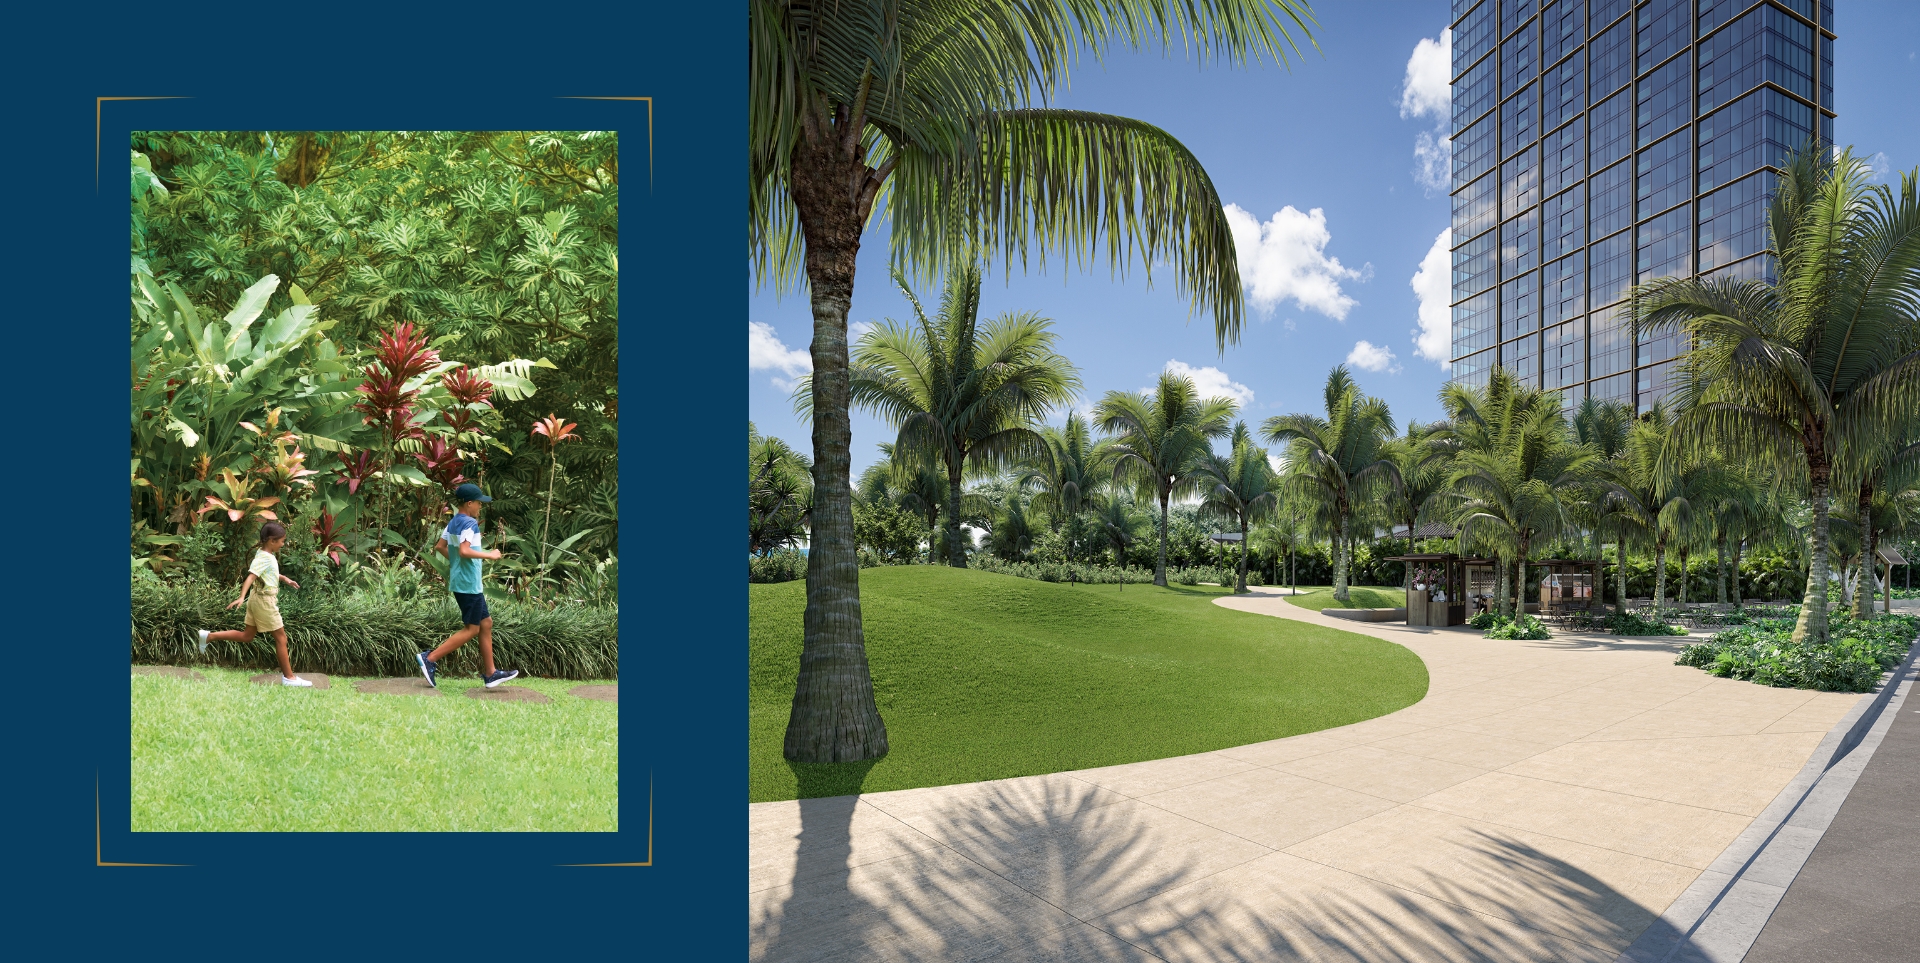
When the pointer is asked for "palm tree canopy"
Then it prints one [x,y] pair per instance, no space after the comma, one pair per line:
[1064,478]
[1238,486]
[1341,455]
[933,103]
[1158,437]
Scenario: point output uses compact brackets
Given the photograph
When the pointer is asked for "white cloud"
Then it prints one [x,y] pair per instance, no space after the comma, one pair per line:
[1213,383]
[1434,338]
[1428,88]
[855,329]
[1286,258]
[1427,91]
[1368,356]
[766,352]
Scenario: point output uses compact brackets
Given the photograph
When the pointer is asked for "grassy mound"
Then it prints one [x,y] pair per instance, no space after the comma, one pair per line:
[225,755]
[1321,597]
[984,676]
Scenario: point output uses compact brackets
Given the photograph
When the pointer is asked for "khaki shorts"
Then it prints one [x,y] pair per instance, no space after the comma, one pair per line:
[263,612]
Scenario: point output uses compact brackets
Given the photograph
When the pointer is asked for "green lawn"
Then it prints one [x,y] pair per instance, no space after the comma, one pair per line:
[227,755]
[983,676]
[1317,597]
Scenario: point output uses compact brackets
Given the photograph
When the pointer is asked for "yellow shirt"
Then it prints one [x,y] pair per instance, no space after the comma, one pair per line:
[266,571]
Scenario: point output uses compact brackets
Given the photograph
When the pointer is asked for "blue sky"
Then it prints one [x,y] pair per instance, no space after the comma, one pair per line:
[1323,160]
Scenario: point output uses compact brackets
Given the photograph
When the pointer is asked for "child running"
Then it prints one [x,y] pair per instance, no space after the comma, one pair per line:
[263,608]
[461,544]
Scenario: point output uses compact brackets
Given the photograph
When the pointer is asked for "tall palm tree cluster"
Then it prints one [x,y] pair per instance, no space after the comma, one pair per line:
[933,117]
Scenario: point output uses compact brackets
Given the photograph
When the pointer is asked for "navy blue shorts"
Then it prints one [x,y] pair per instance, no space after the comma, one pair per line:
[473,608]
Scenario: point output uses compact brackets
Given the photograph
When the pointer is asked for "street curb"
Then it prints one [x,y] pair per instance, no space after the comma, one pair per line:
[1718,918]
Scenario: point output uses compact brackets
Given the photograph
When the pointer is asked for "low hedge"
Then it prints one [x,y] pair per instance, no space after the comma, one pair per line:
[1858,652]
[364,634]
[1501,627]
[1626,623]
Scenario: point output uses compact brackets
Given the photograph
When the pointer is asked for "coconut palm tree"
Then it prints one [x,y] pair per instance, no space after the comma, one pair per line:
[1890,474]
[960,395]
[1120,524]
[1157,440]
[1239,487]
[1422,460]
[779,490]
[1663,490]
[1800,374]
[1338,459]
[1602,427]
[925,109]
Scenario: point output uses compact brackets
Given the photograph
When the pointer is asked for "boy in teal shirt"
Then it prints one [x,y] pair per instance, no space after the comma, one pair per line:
[461,544]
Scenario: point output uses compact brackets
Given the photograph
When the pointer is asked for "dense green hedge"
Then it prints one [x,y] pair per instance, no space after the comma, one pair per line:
[364,633]
[1764,652]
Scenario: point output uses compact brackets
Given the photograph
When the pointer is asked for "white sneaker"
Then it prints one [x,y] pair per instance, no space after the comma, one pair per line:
[296,681]
[203,641]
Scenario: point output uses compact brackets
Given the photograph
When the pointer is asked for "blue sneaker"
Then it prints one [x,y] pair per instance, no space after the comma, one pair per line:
[501,676]
[428,668]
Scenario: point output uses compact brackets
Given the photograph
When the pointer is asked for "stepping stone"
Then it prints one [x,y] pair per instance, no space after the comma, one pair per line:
[506,693]
[318,679]
[412,686]
[172,671]
[601,693]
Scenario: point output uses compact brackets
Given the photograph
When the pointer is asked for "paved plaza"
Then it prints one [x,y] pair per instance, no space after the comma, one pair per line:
[1544,801]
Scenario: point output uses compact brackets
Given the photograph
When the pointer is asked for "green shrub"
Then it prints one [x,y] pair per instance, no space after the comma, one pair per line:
[1062,571]
[776,567]
[1626,623]
[1763,652]
[1498,627]
[362,633]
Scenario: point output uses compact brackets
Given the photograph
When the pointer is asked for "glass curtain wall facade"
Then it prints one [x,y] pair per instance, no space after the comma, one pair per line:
[1602,143]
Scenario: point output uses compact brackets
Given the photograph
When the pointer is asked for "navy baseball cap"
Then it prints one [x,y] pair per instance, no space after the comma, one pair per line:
[470,492]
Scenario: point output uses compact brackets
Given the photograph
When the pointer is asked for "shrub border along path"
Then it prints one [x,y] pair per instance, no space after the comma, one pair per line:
[1547,799]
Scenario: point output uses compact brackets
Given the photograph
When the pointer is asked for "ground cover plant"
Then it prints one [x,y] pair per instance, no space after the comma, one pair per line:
[1626,623]
[225,755]
[982,676]
[1322,597]
[1522,626]
[1857,652]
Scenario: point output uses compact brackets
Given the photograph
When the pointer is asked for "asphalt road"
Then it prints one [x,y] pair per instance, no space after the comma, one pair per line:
[1857,898]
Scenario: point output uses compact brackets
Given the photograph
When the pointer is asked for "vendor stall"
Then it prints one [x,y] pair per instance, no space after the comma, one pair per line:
[1447,588]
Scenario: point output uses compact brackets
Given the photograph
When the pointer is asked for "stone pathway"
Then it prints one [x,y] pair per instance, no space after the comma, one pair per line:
[598,693]
[1545,801]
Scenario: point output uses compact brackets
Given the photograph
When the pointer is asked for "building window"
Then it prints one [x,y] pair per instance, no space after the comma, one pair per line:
[1762,45]
[1522,358]
[1611,270]
[1520,244]
[1473,152]
[1564,356]
[1562,293]
[1476,206]
[1519,61]
[1733,221]
[1610,130]
[1473,94]
[1513,13]
[1473,38]
[1758,130]
[1666,98]
[1826,73]
[1563,223]
[1520,305]
[1665,170]
[1474,263]
[1562,29]
[1666,26]
[1612,348]
[1611,191]
[1563,158]
[1563,94]
[1752,269]
[1655,384]
[1472,370]
[1520,181]
[1475,326]
[1610,60]
[1519,120]
[1666,245]
[1618,389]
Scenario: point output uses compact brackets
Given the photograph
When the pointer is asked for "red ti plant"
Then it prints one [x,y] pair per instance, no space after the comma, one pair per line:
[403,355]
[442,462]
[328,531]
[555,431]
[356,470]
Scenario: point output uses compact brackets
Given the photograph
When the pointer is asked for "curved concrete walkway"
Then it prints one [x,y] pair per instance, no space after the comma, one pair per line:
[1545,801]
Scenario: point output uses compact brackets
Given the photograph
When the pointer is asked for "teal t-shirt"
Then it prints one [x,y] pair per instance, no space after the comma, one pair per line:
[463,574]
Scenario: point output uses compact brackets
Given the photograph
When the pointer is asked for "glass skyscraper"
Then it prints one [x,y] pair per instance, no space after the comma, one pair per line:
[1602,142]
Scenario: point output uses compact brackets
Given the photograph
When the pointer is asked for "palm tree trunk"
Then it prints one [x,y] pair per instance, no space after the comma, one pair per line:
[1738,544]
[1160,561]
[956,552]
[1684,552]
[1720,547]
[1863,593]
[1242,587]
[1520,588]
[1340,559]
[1659,574]
[1812,625]
[1505,608]
[834,716]
[1620,574]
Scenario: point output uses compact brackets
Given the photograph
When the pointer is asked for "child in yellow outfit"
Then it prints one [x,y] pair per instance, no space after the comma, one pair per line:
[263,608]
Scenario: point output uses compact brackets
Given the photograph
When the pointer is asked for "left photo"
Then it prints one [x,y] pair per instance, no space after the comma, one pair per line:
[374,481]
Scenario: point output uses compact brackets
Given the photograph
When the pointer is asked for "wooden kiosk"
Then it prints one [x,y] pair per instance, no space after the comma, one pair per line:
[1568,586]
[1447,588]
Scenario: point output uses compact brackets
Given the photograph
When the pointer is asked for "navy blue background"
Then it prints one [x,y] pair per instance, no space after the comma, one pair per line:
[682,724]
